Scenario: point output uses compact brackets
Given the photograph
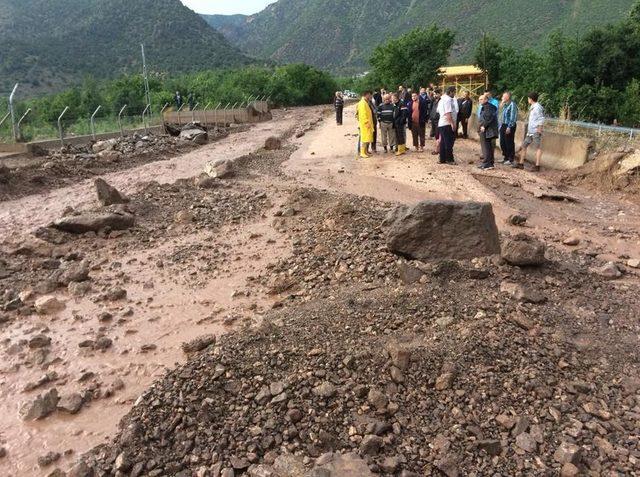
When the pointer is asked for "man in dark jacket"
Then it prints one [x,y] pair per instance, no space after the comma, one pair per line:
[434,117]
[466,106]
[418,116]
[377,98]
[386,112]
[400,124]
[338,102]
[488,130]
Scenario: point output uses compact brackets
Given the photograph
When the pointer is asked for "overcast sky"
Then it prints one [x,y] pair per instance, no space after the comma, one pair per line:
[227,7]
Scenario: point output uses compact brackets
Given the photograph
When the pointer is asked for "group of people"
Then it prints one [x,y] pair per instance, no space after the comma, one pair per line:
[179,101]
[390,115]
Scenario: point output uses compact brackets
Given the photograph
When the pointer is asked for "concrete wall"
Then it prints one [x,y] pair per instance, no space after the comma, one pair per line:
[558,150]
[256,112]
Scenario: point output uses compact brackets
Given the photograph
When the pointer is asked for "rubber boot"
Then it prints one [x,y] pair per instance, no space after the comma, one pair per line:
[402,149]
[363,152]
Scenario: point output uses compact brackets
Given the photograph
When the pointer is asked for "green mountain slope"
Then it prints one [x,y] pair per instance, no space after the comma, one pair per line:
[340,34]
[48,44]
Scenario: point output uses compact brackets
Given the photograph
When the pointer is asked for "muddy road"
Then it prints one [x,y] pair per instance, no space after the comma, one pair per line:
[201,261]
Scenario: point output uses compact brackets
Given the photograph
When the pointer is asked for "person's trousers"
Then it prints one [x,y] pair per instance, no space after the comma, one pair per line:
[375,139]
[339,115]
[447,140]
[488,149]
[508,142]
[465,127]
[401,135]
[434,130]
[388,134]
[418,132]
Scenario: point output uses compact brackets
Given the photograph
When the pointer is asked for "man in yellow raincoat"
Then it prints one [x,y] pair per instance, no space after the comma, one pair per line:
[365,121]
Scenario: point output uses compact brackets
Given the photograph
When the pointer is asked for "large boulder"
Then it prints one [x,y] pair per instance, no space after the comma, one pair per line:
[94,222]
[443,229]
[195,135]
[107,194]
[523,251]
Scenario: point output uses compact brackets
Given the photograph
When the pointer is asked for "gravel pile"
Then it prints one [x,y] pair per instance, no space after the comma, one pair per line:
[468,370]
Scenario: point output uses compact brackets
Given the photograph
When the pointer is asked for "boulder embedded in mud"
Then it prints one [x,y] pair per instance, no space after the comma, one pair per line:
[40,407]
[273,144]
[443,229]
[523,251]
[94,222]
[107,194]
[195,135]
[609,270]
[220,169]
[48,305]
[109,155]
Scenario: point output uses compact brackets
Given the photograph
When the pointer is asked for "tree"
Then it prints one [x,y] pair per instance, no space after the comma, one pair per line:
[488,56]
[414,58]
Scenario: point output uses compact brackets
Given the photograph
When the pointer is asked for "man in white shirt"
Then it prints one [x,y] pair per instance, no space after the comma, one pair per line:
[533,136]
[448,111]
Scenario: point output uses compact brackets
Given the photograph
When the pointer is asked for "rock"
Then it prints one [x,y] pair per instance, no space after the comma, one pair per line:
[522,293]
[490,446]
[199,344]
[272,144]
[338,465]
[220,169]
[94,222]
[325,390]
[109,156]
[261,471]
[79,289]
[610,271]
[100,146]
[400,356]
[49,305]
[3,452]
[377,399]
[289,465]
[39,341]
[81,469]
[523,251]
[572,240]
[569,470]
[526,442]
[294,415]
[184,217]
[195,135]
[633,263]
[123,463]
[107,194]
[40,407]
[371,444]
[103,343]
[74,273]
[444,381]
[568,453]
[203,181]
[409,274]
[517,220]
[443,229]
[71,403]
[48,459]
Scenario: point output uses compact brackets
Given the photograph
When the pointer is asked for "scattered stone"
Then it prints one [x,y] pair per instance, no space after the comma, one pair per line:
[273,143]
[184,217]
[94,222]
[409,274]
[517,220]
[522,293]
[568,453]
[572,241]
[48,459]
[371,444]
[377,399]
[199,344]
[49,305]
[195,135]
[523,251]
[103,343]
[610,271]
[71,403]
[40,407]
[416,231]
[39,341]
[492,447]
[526,442]
[325,390]
[74,273]
[569,470]
[221,169]
[107,194]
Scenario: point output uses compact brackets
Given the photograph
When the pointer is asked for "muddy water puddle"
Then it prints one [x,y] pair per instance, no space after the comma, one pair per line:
[165,306]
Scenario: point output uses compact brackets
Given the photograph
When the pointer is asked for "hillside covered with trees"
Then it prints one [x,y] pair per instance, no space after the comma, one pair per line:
[50,44]
[341,34]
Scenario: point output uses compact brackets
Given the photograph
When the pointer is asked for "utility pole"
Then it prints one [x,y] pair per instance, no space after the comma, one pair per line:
[146,78]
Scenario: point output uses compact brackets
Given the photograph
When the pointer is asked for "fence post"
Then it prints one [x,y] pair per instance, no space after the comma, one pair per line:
[12,113]
[180,109]
[60,126]
[193,113]
[93,125]
[144,122]
[204,114]
[4,119]
[120,120]
[20,122]
[166,105]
